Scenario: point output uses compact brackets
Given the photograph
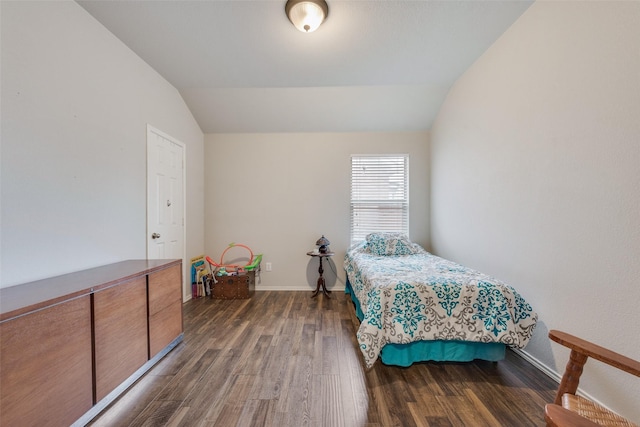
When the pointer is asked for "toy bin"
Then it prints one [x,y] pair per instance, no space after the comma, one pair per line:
[236,286]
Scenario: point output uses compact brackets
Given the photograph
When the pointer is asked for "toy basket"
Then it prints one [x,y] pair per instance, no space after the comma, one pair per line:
[233,281]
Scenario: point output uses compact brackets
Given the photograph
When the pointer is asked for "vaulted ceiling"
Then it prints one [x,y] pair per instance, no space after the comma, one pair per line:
[241,66]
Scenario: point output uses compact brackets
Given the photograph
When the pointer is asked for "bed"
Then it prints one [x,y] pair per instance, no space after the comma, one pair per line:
[414,306]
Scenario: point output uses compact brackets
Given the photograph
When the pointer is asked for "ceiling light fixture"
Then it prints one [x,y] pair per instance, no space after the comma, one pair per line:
[306,15]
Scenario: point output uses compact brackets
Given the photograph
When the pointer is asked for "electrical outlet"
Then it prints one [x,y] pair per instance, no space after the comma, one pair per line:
[268,266]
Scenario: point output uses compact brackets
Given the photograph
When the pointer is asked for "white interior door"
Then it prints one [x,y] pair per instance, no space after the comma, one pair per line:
[165,196]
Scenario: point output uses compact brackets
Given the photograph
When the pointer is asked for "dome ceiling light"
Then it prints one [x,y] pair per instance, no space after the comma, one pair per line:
[306,15]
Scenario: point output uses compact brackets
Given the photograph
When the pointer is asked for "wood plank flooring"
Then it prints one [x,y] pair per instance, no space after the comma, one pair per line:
[284,359]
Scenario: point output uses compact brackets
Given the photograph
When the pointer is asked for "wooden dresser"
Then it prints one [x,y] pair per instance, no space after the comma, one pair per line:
[69,345]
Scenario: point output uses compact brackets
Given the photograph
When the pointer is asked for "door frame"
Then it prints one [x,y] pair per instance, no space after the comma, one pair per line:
[150,129]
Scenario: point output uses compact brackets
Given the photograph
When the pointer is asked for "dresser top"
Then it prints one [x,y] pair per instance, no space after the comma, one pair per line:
[21,299]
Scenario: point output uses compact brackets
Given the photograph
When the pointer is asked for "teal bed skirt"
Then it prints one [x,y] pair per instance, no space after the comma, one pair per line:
[437,351]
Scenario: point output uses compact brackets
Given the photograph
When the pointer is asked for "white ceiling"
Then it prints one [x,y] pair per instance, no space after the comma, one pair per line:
[241,66]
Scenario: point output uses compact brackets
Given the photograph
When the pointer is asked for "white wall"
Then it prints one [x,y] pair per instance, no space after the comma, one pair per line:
[75,106]
[278,193]
[536,178]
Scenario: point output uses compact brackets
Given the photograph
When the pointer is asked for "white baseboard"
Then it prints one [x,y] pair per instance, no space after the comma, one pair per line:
[296,288]
[553,374]
[539,365]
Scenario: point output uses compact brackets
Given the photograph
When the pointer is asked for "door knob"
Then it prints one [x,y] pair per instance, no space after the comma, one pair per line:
[155,235]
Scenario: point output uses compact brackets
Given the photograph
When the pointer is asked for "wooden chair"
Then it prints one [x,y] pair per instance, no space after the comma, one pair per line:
[576,411]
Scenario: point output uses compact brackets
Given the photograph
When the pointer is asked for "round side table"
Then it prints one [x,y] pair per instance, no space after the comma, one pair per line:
[321,285]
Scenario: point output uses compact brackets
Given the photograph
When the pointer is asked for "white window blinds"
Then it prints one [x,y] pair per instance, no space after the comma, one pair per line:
[379,195]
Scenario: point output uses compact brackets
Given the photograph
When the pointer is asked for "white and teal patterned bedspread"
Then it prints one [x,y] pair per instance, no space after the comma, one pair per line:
[417,297]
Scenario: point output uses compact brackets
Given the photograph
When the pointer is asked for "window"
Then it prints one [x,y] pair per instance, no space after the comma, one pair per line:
[379,195]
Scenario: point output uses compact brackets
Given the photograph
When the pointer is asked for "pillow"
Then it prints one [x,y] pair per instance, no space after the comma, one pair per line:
[383,244]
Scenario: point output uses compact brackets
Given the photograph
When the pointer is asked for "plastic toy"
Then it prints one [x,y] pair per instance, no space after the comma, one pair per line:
[253,263]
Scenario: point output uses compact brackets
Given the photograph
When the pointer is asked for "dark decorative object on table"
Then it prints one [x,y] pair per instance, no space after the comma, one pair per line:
[323,245]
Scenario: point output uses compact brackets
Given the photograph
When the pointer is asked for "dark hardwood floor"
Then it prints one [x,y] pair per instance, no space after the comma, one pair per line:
[284,359]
